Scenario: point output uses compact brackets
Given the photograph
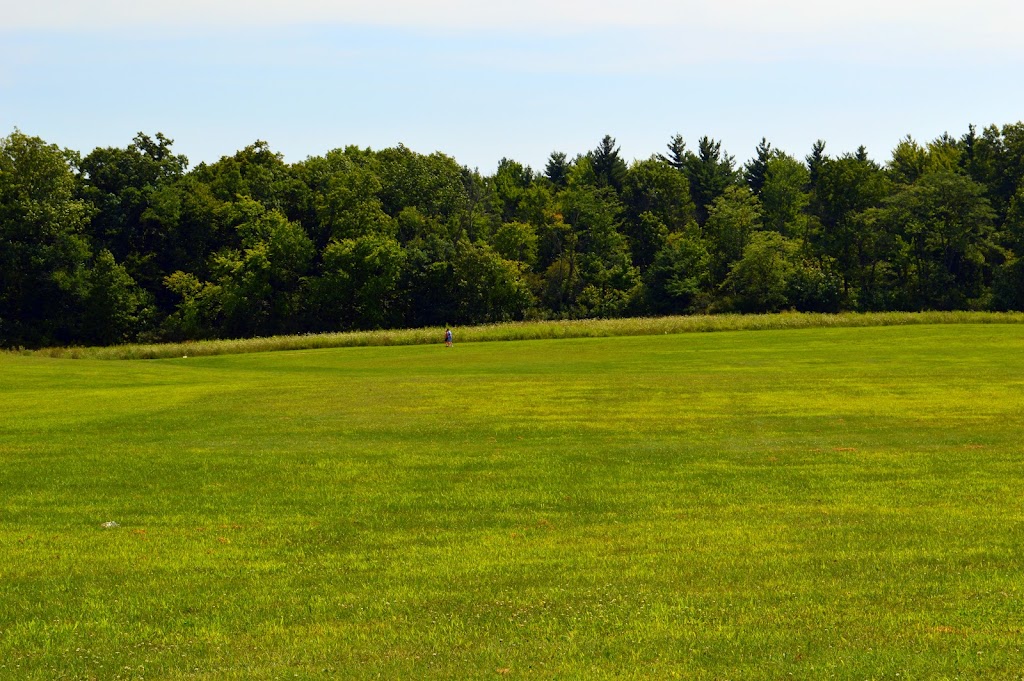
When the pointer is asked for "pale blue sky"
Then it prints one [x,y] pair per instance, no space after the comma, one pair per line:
[519,81]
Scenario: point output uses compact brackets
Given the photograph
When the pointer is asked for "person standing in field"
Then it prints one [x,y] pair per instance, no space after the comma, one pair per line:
[448,338]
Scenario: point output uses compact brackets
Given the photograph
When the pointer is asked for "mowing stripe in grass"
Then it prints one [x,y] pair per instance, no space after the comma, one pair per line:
[824,502]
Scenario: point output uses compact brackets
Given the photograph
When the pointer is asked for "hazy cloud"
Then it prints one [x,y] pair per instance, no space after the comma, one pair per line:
[484,80]
[738,23]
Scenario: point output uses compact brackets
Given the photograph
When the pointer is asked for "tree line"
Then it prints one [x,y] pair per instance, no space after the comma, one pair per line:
[129,244]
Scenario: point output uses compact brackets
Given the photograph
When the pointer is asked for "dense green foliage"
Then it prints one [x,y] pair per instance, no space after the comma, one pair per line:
[130,244]
[821,503]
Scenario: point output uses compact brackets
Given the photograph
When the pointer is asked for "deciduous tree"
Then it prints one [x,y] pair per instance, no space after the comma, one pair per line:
[43,245]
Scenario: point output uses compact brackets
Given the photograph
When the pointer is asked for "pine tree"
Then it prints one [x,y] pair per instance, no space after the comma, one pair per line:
[557,169]
[609,167]
[710,171]
[756,168]
[676,153]
[815,160]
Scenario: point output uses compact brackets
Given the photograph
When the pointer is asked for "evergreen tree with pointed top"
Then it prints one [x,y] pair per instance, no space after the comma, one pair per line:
[608,166]
[557,169]
[815,160]
[968,145]
[676,153]
[710,171]
[756,168]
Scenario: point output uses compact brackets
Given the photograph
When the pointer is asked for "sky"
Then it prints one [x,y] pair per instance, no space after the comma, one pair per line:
[483,81]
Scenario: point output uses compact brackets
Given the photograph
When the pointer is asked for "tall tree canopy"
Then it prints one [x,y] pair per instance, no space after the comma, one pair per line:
[130,243]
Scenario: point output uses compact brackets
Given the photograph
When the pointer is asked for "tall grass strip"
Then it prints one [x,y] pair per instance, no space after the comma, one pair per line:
[533,330]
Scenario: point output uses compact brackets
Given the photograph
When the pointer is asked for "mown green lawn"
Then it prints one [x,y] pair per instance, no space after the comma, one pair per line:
[819,503]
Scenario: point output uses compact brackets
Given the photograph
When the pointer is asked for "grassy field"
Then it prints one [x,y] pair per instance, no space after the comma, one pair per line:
[815,503]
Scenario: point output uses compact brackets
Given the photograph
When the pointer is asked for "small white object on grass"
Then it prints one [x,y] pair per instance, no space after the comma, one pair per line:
[109,524]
